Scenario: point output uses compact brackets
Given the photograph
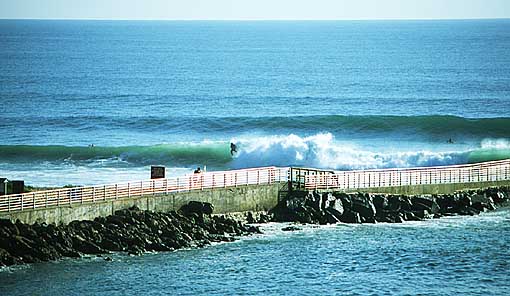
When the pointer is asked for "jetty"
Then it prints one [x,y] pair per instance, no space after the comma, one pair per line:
[254,189]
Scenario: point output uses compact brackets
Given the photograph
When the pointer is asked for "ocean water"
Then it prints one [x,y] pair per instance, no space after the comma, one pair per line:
[447,256]
[339,95]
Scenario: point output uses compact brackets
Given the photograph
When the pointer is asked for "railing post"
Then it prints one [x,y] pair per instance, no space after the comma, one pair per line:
[58,198]
[247,177]
[116,191]
[94,194]
[46,201]
[129,189]
[224,180]
[8,204]
[21,196]
[166,186]
[33,201]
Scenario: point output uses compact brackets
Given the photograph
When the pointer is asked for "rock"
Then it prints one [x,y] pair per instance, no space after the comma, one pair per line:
[327,200]
[200,208]
[332,216]
[363,204]
[482,202]
[291,228]
[84,246]
[410,216]
[406,203]
[350,217]
[249,218]
[336,207]
[425,202]
[380,202]
[6,223]
[423,214]
[313,200]
[264,218]
[394,203]
[6,259]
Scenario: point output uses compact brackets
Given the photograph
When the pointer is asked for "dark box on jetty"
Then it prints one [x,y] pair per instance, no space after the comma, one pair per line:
[157,172]
[3,186]
[18,186]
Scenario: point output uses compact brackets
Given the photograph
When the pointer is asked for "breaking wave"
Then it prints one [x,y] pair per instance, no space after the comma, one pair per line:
[320,150]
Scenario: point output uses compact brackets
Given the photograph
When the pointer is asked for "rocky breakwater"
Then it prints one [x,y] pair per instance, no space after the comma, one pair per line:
[131,230]
[334,207]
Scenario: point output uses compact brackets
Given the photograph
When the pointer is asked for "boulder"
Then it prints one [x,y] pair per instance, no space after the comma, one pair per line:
[350,217]
[336,208]
[327,200]
[331,216]
[425,202]
[363,204]
[201,208]
[380,202]
[291,228]
[6,259]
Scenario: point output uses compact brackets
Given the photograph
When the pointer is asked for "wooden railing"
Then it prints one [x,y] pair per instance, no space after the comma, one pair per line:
[80,195]
[304,178]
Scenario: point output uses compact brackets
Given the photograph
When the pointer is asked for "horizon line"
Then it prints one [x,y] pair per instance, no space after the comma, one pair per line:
[258,20]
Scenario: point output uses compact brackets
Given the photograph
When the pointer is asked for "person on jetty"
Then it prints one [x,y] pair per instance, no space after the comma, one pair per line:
[233,148]
[196,181]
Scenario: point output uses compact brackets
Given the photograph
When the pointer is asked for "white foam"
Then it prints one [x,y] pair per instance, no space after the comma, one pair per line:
[495,144]
[322,151]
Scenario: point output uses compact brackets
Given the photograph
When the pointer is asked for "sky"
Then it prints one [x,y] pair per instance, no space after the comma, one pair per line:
[254,9]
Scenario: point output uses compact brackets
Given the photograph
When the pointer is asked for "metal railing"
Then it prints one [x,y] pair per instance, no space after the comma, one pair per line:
[320,179]
[302,178]
[91,194]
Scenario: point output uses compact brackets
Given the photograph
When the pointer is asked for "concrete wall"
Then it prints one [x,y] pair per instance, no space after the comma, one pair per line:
[225,200]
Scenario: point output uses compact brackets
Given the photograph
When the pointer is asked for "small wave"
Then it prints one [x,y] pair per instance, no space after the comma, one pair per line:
[428,127]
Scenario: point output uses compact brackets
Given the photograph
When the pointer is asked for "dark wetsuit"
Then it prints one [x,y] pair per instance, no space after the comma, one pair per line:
[233,148]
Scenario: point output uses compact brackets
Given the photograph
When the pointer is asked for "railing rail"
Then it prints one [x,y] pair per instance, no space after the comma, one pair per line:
[480,172]
[303,178]
[91,194]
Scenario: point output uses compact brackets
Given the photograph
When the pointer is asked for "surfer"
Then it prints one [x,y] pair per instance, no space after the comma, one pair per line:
[450,141]
[233,148]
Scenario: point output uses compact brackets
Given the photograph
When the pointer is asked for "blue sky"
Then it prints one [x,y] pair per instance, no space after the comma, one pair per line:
[254,9]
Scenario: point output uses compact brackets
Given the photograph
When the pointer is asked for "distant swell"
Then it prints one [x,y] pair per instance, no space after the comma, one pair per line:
[320,150]
[433,127]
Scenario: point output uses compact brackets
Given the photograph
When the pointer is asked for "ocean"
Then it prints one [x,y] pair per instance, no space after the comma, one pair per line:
[95,102]
[447,256]
[339,95]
